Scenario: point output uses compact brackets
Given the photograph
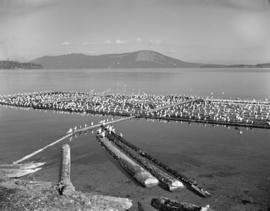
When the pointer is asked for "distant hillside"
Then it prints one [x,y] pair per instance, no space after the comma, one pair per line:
[138,59]
[265,65]
[18,65]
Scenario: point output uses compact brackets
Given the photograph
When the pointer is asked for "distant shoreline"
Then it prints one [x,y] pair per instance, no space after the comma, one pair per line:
[131,60]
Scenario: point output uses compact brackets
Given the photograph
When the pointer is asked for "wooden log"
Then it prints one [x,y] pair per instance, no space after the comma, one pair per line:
[123,203]
[190,184]
[42,149]
[165,204]
[30,165]
[166,180]
[16,173]
[19,170]
[65,186]
[133,168]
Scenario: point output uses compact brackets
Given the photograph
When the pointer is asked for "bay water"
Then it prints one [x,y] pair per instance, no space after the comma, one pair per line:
[233,167]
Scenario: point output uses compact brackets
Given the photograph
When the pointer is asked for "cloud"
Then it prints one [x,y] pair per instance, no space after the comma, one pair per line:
[115,42]
[108,42]
[120,42]
[8,4]
[85,43]
[66,43]
[2,55]
[91,52]
[138,39]
[9,8]
[244,4]
[37,2]
[96,43]
[155,42]
[252,29]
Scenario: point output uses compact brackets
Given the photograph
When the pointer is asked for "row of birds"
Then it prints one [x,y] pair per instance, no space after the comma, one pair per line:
[223,110]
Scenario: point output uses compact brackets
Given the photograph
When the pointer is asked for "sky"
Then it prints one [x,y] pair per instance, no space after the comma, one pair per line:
[208,31]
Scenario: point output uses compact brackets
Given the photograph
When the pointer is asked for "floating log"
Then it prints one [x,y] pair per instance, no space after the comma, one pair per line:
[123,203]
[190,184]
[166,180]
[165,204]
[16,173]
[134,169]
[19,170]
[70,136]
[42,149]
[30,165]
[65,186]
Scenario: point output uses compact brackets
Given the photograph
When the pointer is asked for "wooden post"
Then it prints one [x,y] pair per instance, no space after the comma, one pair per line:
[65,186]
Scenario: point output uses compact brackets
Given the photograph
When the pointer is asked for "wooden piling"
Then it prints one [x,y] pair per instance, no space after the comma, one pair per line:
[141,175]
[65,186]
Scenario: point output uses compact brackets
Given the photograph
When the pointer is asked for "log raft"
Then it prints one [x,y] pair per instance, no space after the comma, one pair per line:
[142,176]
[166,181]
[165,204]
[190,184]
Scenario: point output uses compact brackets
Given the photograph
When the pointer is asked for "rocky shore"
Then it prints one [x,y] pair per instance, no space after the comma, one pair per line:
[18,195]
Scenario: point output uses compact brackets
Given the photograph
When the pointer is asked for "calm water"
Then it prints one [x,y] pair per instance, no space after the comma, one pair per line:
[234,168]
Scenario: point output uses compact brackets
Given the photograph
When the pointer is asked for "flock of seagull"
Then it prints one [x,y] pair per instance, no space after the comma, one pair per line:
[249,113]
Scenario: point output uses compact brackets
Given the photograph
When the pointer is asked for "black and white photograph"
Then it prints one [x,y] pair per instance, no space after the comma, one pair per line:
[135,105]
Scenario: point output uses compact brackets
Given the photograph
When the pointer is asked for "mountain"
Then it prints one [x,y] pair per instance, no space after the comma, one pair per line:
[138,59]
[265,65]
[18,65]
